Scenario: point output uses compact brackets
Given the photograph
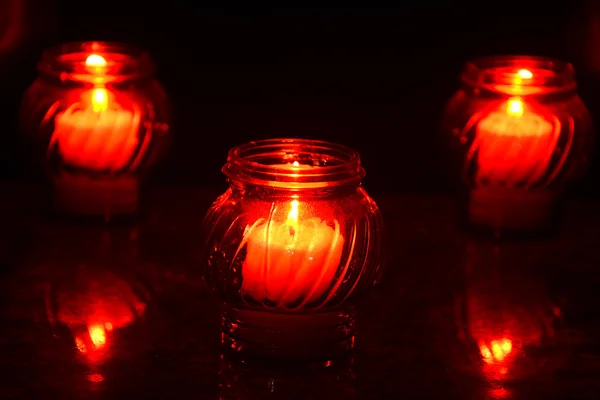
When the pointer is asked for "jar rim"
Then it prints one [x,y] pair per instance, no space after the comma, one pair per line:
[519,75]
[291,163]
[124,62]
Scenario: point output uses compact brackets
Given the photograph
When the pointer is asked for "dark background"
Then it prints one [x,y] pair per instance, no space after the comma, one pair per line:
[373,79]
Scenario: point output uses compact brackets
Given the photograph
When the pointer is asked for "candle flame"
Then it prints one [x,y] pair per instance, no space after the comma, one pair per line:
[525,74]
[99,99]
[293,214]
[95,60]
[515,107]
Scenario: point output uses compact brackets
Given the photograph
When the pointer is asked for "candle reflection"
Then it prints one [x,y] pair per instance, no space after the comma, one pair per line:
[508,315]
[93,307]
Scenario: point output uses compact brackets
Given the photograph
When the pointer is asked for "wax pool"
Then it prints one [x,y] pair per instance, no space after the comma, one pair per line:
[291,261]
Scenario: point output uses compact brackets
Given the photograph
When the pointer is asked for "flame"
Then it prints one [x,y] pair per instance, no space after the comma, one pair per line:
[525,74]
[95,60]
[99,99]
[292,218]
[515,107]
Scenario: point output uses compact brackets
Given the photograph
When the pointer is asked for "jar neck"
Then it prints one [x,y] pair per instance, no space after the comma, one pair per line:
[519,75]
[293,165]
[95,63]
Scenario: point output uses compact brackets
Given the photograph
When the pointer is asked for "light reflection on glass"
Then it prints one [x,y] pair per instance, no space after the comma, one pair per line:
[94,306]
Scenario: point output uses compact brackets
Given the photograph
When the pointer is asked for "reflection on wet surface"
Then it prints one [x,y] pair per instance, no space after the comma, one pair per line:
[123,313]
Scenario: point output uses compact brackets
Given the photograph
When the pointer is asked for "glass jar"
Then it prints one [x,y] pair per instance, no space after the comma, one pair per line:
[516,133]
[96,119]
[289,246]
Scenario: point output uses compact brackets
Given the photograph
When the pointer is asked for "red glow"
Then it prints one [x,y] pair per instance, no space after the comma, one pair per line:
[290,260]
[95,378]
[97,133]
[514,145]
[95,311]
[12,13]
[496,351]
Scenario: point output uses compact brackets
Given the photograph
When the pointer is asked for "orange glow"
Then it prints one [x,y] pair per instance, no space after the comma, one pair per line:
[99,99]
[525,74]
[515,107]
[95,60]
[292,218]
[290,261]
[497,351]
[80,345]
[98,335]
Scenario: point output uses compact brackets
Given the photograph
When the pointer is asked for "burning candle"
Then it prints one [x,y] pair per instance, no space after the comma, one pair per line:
[97,133]
[294,260]
[514,145]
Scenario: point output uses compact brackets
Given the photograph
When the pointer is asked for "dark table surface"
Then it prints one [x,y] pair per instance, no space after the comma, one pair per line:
[453,318]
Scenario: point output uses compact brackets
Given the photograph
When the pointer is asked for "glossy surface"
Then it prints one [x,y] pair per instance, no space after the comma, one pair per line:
[452,318]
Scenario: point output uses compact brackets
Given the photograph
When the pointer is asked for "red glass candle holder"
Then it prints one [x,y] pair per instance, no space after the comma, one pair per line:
[97,118]
[516,132]
[289,246]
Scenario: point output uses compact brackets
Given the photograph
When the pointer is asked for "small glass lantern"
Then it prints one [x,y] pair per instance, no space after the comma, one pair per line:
[289,246]
[516,132]
[97,118]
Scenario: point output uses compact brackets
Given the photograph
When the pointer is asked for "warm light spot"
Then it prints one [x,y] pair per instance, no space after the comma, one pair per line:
[293,214]
[296,164]
[506,345]
[515,107]
[108,326]
[99,99]
[497,351]
[95,378]
[80,345]
[98,335]
[95,60]
[499,393]
[525,74]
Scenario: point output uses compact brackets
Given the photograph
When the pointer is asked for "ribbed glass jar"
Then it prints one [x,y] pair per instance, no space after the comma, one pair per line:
[96,118]
[516,132]
[289,246]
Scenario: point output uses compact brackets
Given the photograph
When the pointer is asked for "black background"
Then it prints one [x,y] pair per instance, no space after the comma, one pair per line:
[373,79]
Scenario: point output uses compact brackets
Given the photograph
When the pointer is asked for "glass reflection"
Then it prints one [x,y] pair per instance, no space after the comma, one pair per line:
[93,306]
[94,294]
[506,315]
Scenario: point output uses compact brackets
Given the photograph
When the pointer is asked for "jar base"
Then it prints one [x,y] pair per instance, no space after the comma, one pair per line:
[512,211]
[318,337]
[95,197]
